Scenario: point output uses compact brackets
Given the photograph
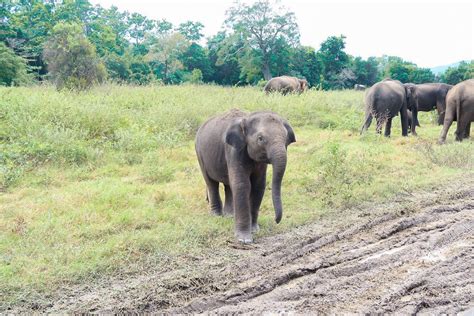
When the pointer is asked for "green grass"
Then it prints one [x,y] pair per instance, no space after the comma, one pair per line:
[106,180]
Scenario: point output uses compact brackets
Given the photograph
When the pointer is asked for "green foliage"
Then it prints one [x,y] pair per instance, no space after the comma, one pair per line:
[191,30]
[195,76]
[399,69]
[13,68]
[263,27]
[454,75]
[71,58]
[165,51]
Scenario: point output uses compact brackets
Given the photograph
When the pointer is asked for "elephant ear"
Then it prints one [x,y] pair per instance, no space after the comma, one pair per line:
[291,138]
[235,135]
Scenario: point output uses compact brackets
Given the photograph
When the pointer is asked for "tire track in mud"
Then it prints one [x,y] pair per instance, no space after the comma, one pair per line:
[414,255]
[411,264]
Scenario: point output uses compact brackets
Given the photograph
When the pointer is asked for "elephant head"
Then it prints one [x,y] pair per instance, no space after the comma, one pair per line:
[265,137]
[411,96]
[303,85]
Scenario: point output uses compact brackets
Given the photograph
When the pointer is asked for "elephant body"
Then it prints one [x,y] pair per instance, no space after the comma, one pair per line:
[359,87]
[429,96]
[384,101]
[234,149]
[460,108]
[285,85]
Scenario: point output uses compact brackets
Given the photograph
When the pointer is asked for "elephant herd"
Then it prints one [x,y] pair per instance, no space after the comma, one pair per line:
[385,99]
[235,148]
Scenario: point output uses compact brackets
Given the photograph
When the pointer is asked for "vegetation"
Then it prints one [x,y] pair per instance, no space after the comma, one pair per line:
[106,181]
[260,40]
[71,58]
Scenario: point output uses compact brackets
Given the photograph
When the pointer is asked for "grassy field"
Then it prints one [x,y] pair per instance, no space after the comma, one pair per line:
[107,181]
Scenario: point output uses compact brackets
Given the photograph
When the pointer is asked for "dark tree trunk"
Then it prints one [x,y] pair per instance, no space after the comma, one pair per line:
[266,71]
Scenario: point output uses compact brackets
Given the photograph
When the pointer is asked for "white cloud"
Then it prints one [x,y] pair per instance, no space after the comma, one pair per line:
[428,33]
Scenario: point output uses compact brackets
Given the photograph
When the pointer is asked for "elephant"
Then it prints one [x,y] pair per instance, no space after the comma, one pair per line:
[359,87]
[460,108]
[385,100]
[410,120]
[428,96]
[234,149]
[285,85]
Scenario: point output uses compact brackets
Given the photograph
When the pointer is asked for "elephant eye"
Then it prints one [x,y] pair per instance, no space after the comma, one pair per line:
[260,139]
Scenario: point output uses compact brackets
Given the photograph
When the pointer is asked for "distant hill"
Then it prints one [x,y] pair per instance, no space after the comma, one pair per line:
[440,69]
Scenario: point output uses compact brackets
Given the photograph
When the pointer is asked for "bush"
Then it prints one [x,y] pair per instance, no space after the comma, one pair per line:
[13,68]
[71,58]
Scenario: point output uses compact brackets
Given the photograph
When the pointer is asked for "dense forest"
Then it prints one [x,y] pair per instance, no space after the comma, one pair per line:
[75,44]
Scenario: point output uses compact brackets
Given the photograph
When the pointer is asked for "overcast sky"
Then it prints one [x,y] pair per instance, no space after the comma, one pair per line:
[427,32]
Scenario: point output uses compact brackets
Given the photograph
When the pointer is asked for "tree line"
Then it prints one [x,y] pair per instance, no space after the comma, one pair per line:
[75,44]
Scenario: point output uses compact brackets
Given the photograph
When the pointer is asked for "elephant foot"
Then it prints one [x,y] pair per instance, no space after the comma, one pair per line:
[216,212]
[255,228]
[244,238]
[441,141]
[228,212]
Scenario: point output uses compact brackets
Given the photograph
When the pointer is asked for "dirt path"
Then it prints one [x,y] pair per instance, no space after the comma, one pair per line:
[414,254]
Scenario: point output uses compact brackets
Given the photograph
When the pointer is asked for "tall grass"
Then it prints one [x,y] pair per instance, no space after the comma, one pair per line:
[105,180]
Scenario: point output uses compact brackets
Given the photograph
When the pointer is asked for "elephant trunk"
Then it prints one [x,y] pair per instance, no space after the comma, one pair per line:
[278,161]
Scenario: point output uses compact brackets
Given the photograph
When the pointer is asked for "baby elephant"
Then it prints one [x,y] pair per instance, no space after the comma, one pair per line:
[234,149]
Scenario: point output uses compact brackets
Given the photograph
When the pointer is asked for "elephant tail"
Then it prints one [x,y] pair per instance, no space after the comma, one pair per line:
[368,121]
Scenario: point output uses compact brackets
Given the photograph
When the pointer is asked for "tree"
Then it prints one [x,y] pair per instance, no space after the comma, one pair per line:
[196,57]
[304,63]
[333,60]
[191,30]
[225,66]
[13,68]
[71,58]
[454,75]
[261,28]
[165,51]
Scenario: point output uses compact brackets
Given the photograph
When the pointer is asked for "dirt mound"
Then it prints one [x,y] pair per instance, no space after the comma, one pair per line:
[407,256]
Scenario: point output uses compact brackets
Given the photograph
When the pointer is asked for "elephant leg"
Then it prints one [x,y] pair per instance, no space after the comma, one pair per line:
[388,127]
[448,120]
[461,129]
[240,185]
[467,131]
[213,196]
[258,181]
[367,122]
[379,125]
[404,119]
[228,204]
[414,122]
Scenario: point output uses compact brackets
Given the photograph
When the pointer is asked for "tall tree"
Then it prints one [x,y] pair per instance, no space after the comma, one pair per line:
[191,30]
[261,27]
[165,51]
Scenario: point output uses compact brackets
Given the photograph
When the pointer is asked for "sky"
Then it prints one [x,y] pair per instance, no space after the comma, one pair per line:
[427,32]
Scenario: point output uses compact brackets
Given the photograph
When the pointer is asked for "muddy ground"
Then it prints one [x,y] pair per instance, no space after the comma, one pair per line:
[413,254]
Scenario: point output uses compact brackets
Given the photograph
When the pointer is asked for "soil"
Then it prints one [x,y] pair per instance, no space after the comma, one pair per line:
[413,254]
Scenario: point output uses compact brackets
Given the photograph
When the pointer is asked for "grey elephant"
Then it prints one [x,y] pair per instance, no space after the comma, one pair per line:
[359,87]
[234,149]
[427,97]
[385,100]
[285,85]
[460,108]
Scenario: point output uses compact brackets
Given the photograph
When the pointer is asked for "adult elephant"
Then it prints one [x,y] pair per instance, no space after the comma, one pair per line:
[384,100]
[234,149]
[427,97]
[460,108]
[285,85]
